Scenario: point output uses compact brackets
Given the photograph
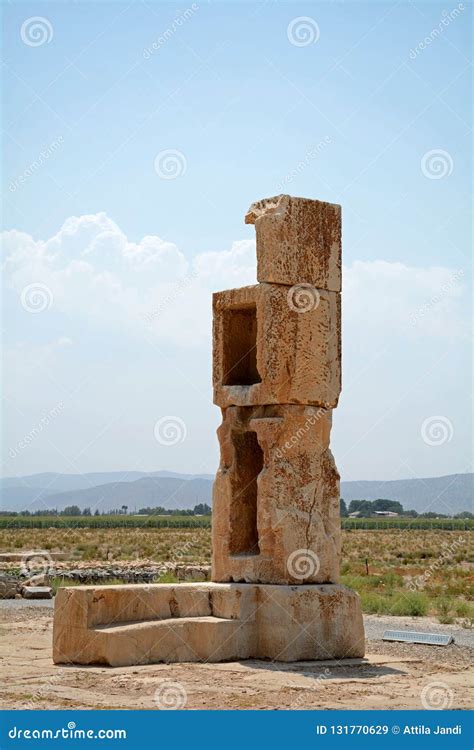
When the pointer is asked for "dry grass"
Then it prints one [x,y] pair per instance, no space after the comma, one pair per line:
[88,545]
[412,572]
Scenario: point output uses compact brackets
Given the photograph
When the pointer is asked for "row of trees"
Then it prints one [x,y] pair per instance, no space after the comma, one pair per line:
[368,508]
[365,508]
[201,509]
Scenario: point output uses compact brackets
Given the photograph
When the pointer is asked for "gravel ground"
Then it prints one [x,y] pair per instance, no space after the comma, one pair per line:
[18,605]
[392,675]
[375,625]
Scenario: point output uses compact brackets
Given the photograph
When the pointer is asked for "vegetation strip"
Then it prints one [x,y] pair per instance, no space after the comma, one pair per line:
[204,522]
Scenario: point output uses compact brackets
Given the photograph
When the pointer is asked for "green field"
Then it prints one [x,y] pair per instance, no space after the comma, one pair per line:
[204,522]
[406,523]
[105,522]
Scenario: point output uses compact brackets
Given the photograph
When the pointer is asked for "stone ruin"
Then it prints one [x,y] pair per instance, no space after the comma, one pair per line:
[276,535]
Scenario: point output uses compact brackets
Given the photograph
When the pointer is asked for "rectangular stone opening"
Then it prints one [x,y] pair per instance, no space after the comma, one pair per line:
[248,457]
[240,346]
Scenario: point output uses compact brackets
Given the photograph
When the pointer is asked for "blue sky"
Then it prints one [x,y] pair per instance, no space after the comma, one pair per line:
[373,113]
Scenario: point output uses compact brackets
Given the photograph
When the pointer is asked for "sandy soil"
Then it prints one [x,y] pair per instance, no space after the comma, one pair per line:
[393,675]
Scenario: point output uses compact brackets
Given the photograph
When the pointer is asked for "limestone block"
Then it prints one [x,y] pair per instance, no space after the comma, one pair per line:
[276,497]
[131,603]
[298,241]
[8,586]
[37,592]
[283,623]
[72,645]
[309,622]
[189,639]
[140,623]
[273,347]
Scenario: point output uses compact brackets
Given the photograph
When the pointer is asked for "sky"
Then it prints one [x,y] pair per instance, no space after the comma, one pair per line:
[136,135]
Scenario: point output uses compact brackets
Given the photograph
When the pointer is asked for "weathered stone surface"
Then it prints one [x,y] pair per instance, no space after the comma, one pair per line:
[192,572]
[138,624]
[37,592]
[227,621]
[275,345]
[8,587]
[40,579]
[276,497]
[309,622]
[298,241]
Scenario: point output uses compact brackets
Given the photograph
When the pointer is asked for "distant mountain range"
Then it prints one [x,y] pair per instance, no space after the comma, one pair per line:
[108,490]
[450,494]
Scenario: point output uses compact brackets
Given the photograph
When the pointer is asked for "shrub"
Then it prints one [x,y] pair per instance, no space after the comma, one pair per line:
[444,611]
[463,608]
[372,604]
[412,604]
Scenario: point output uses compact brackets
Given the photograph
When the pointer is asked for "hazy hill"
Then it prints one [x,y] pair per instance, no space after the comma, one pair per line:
[63,482]
[450,494]
[35,491]
[148,490]
[108,490]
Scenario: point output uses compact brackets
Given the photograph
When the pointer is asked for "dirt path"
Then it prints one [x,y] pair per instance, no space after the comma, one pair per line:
[393,675]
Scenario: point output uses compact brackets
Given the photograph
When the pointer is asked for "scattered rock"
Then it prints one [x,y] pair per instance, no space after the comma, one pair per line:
[37,592]
[192,572]
[92,575]
[8,587]
[41,579]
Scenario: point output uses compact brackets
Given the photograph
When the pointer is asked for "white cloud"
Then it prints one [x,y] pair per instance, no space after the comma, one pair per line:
[403,358]
[148,288]
[387,299]
[24,358]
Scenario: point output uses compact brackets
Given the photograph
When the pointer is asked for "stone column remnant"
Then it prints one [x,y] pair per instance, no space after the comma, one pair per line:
[276,535]
[277,377]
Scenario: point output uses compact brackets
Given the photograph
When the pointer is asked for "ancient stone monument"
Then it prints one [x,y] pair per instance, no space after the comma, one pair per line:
[275,524]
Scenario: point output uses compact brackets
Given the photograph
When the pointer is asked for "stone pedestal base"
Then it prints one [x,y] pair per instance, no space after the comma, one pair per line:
[209,622]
